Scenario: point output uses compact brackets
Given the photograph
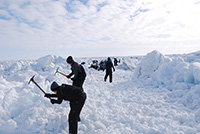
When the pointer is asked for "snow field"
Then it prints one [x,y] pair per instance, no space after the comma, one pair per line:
[127,109]
[154,94]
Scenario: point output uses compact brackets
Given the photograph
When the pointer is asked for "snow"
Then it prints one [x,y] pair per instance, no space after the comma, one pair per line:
[151,94]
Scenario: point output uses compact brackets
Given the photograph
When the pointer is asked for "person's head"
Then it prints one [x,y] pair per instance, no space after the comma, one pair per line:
[69,60]
[109,59]
[54,87]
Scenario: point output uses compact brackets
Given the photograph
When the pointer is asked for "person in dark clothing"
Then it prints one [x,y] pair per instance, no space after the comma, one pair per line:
[109,66]
[75,95]
[78,72]
[115,62]
[101,66]
[94,64]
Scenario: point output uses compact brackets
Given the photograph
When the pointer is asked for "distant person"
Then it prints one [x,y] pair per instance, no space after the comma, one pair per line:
[109,66]
[94,64]
[75,95]
[78,71]
[115,62]
[101,66]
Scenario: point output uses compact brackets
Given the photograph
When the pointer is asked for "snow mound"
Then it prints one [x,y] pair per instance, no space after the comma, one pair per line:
[176,70]
[150,64]
[195,67]
[192,57]
[128,63]
[168,72]
[47,62]
[152,94]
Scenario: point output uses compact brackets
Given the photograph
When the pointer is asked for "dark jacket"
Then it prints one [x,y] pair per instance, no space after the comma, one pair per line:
[67,92]
[109,66]
[77,71]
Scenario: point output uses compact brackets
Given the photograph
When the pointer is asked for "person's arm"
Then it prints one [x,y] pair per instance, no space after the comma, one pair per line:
[50,95]
[113,67]
[75,70]
[70,75]
[59,99]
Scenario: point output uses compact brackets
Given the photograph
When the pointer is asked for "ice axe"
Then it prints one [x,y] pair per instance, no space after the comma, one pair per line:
[32,79]
[60,72]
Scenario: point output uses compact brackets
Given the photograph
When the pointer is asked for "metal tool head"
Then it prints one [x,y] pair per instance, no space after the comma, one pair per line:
[56,71]
[32,79]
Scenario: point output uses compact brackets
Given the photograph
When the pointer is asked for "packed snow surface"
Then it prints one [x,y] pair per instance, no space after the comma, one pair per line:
[152,94]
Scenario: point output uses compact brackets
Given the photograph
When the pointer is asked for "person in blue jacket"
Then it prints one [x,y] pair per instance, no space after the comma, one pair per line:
[109,66]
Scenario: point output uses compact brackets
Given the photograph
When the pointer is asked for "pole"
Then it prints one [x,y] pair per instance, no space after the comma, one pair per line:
[32,79]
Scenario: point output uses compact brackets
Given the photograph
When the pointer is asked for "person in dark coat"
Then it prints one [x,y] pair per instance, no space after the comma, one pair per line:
[109,66]
[75,95]
[101,66]
[115,62]
[78,72]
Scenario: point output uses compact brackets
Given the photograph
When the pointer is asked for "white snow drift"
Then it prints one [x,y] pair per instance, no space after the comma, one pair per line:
[153,94]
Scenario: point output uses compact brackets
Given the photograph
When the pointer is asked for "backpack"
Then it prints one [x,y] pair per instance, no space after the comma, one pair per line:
[82,71]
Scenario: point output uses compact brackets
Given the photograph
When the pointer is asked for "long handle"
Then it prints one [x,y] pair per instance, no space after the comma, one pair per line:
[38,86]
[32,79]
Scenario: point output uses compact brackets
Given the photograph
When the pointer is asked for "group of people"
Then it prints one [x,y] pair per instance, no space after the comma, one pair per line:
[98,66]
[74,93]
[102,64]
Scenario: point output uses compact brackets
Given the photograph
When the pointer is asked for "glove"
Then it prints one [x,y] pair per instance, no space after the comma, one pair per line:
[68,76]
[72,79]
[53,101]
[47,95]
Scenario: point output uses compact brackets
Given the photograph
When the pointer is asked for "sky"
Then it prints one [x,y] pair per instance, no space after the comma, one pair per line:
[30,29]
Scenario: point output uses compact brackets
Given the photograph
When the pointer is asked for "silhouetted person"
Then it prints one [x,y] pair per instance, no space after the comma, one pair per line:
[75,95]
[78,72]
[109,66]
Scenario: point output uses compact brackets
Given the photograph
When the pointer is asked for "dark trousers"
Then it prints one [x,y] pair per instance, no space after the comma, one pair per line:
[110,76]
[74,113]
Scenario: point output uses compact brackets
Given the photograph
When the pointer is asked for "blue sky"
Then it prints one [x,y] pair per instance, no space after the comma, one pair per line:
[87,28]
